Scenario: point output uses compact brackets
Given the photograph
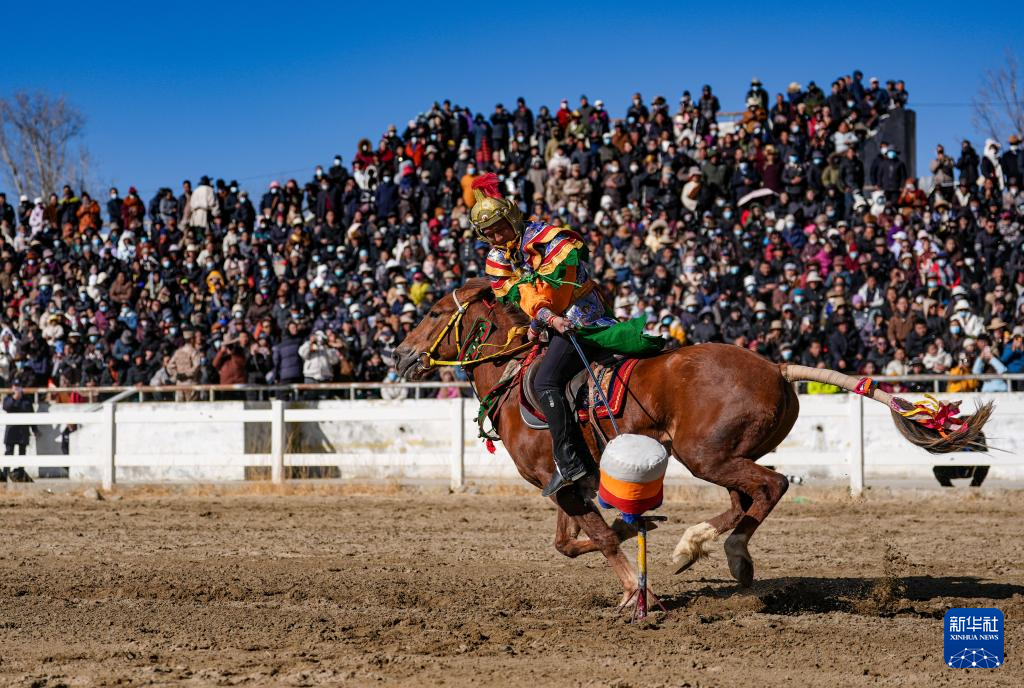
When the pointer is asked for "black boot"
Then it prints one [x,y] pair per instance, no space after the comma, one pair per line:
[569,465]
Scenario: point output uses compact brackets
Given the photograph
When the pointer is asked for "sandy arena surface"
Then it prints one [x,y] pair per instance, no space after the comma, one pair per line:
[208,587]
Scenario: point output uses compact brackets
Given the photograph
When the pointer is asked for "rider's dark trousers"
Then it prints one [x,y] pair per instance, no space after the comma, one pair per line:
[558,366]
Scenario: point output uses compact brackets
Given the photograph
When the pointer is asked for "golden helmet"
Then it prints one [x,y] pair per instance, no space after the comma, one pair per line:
[489,207]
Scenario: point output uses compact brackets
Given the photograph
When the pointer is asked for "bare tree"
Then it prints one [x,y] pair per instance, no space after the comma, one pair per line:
[999,104]
[41,142]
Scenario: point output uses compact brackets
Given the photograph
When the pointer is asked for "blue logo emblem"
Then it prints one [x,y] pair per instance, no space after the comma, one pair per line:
[974,638]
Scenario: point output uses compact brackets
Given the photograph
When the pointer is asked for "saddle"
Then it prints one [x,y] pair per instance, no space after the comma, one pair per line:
[612,373]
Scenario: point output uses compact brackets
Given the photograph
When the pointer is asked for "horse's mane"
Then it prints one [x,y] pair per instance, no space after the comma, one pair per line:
[479,288]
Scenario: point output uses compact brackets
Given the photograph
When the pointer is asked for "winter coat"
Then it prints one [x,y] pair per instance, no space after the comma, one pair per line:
[204,206]
[17,434]
[230,363]
[318,364]
[287,364]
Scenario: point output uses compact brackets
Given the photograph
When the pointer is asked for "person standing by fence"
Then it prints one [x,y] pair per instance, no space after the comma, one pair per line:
[16,436]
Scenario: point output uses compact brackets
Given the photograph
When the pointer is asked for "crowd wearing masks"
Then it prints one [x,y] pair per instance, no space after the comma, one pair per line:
[764,229]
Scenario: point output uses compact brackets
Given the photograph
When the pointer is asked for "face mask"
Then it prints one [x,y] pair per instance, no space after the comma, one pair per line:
[471,171]
[234,189]
[727,214]
[166,264]
[387,179]
[762,315]
[787,355]
[795,129]
[891,155]
[273,191]
[849,103]
[325,186]
[734,270]
[798,298]
[613,168]
[793,159]
[719,202]
[113,194]
[955,329]
[520,139]
[104,308]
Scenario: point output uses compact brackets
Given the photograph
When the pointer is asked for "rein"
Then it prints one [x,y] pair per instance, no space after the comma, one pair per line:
[470,351]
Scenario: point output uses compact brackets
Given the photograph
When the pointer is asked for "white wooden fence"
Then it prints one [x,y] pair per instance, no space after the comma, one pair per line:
[840,433]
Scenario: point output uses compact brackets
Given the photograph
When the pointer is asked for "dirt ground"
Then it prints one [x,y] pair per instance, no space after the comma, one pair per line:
[323,586]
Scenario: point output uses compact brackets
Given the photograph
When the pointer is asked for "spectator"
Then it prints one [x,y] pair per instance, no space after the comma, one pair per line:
[17,436]
[287,362]
[988,363]
[318,358]
[185,364]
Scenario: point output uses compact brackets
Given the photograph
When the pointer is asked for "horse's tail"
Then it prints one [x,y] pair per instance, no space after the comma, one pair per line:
[932,425]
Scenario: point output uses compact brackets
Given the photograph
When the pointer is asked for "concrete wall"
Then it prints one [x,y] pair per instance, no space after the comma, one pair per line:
[413,440]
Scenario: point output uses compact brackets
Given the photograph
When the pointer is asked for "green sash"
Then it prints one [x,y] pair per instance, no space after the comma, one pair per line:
[626,338]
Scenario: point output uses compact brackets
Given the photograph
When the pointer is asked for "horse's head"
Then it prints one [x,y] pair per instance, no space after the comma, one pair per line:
[442,332]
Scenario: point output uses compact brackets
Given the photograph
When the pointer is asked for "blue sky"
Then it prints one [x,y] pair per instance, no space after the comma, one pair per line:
[258,91]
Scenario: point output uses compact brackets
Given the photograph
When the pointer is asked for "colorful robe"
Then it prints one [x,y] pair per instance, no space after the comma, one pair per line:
[547,274]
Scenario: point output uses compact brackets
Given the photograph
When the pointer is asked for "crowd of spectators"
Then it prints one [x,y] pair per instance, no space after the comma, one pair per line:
[764,229]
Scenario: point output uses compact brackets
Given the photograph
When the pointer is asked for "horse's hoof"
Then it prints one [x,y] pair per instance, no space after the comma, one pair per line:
[686,564]
[742,570]
[741,566]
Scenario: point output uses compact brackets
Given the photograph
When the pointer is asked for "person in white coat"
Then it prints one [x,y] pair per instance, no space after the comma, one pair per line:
[203,204]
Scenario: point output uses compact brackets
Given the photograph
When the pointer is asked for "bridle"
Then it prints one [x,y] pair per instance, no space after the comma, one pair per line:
[470,351]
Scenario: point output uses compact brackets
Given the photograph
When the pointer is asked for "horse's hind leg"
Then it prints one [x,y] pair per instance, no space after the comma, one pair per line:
[696,541]
[768,492]
[755,490]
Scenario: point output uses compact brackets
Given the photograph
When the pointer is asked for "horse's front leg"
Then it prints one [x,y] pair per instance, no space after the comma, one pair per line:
[602,538]
[566,530]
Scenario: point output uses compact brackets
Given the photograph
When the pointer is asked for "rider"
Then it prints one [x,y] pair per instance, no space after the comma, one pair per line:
[543,270]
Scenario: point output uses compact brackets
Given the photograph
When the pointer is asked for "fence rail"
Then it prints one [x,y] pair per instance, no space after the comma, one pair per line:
[841,418]
[418,390]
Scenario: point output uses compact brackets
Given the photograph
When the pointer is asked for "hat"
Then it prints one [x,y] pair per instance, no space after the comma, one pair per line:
[755,81]
[794,87]
[1014,139]
[760,307]
[408,308]
[958,290]
[1018,331]
[788,307]
[996,324]
[776,325]
[296,221]
[962,305]
[813,276]
[749,280]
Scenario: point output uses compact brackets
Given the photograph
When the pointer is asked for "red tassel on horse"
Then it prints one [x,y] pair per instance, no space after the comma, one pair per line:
[490,446]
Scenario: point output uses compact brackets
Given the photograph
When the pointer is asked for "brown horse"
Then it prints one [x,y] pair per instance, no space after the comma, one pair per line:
[717,408]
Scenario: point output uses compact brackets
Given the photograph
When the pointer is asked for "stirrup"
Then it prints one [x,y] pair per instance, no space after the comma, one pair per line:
[558,482]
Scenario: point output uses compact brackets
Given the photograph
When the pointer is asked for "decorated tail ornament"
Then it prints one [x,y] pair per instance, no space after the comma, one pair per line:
[632,481]
[935,426]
